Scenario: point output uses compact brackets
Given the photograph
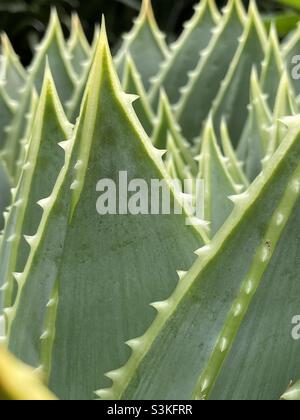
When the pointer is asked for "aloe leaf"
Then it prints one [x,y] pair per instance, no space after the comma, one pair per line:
[144,33]
[4,194]
[225,337]
[132,84]
[7,110]
[233,98]
[166,123]
[74,104]
[234,166]
[273,67]
[25,140]
[174,153]
[218,183]
[20,382]
[256,141]
[293,393]
[79,47]
[185,52]
[285,104]
[38,177]
[54,50]
[108,139]
[205,81]
[13,73]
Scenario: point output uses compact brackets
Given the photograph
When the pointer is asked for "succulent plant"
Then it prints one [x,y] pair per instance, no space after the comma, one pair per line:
[77,287]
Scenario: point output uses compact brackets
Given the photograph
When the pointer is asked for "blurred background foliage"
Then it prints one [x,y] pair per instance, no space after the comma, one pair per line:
[25,21]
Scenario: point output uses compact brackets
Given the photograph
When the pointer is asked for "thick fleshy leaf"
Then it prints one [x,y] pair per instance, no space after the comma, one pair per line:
[185,52]
[20,382]
[226,331]
[293,393]
[7,110]
[52,50]
[285,104]
[79,47]
[205,81]
[122,262]
[218,182]
[233,98]
[146,45]
[256,140]
[174,153]
[166,123]
[132,84]
[13,74]
[234,166]
[5,195]
[39,175]
[273,67]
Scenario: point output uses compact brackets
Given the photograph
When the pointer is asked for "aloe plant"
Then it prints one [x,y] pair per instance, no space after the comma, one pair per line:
[119,304]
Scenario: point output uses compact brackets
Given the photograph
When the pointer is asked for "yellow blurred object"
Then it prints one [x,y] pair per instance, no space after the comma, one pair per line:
[19,381]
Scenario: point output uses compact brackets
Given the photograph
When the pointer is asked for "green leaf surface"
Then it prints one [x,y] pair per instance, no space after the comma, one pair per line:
[205,81]
[39,174]
[293,393]
[13,73]
[132,84]
[121,263]
[144,33]
[273,67]
[185,52]
[7,109]
[285,104]
[234,166]
[256,141]
[79,47]
[54,51]
[218,183]
[233,98]
[226,331]
[166,123]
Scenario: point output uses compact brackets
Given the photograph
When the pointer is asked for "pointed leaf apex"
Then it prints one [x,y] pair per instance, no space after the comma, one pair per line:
[147,10]
[54,19]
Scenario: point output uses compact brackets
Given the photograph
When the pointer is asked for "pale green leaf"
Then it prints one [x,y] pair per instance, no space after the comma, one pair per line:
[293,393]
[12,74]
[121,262]
[185,52]
[43,162]
[233,98]
[234,166]
[273,67]
[146,45]
[79,47]
[166,123]
[218,183]
[256,140]
[226,333]
[205,81]
[132,84]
